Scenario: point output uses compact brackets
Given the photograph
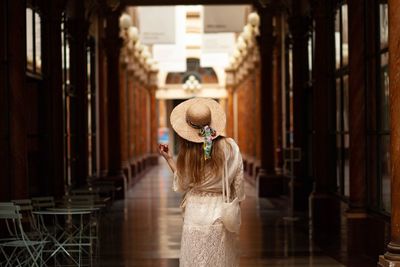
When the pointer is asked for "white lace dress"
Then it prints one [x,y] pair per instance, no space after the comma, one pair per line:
[205,241]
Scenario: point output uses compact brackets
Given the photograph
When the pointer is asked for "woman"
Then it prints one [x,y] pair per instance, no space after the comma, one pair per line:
[204,158]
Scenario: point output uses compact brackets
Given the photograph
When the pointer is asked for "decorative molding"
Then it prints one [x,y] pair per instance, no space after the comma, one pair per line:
[230,78]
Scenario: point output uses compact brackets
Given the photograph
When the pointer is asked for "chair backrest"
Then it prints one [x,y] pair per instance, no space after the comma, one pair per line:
[85,191]
[24,204]
[105,188]
[10,215]
[81,200]
[26,209]
[9,211]
[40,203]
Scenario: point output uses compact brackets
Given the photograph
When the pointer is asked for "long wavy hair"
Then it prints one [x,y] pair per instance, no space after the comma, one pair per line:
[191,164]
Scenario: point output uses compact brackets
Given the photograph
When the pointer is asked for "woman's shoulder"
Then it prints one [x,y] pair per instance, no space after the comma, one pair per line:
[232,143]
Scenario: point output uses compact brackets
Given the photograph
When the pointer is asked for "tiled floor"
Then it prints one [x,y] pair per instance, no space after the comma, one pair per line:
[145,230]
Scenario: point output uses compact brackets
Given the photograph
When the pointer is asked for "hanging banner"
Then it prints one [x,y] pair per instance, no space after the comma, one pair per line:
[157,24]
[225,18]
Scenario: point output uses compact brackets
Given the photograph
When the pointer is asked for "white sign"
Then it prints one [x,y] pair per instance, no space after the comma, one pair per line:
[225,18]
[170,58]
[218,43]
[157,24]
[214,60]
[216,49]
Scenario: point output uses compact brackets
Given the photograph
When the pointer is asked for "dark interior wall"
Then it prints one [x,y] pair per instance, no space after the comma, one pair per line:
[4,127]
[34,133]
[31,132]
[16,66]
[51,97]
[20,104]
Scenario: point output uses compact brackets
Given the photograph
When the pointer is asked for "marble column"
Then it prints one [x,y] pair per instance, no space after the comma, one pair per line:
[324,208]
[357,105]
[392,256]
[113,45]
[269,183]
[357,220]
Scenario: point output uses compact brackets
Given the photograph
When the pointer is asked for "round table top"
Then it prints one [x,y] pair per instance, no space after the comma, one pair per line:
[73,208]
[62,212]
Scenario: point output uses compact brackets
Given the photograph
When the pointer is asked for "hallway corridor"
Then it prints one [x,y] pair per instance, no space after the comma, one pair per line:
[144,230]
[311,95]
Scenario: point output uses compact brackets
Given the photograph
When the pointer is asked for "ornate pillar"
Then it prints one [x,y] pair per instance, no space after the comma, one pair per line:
[154,116]
[257,80]
[4,109]
[132,118]
[357,106]
[124,115]
[269,183]
[113,45]
[392,256]
[324,208]
[102,98]
[78,28]
[52,182]
[16,60]
[13,145]
[277,55]
[136,130]
[356,214]
[300,27]
[229,107]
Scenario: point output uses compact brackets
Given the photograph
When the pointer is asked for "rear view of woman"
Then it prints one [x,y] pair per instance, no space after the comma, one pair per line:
[205,161]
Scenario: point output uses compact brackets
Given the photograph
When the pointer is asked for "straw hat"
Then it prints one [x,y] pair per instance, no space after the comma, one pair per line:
[190,116]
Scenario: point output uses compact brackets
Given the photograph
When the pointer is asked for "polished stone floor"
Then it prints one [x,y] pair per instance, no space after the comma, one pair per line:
[145,230]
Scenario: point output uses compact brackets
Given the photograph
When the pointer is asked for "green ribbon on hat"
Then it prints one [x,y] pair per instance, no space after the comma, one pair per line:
[208,134]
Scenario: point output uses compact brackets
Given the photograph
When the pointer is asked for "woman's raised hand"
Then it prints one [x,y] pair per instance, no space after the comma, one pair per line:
[164,151]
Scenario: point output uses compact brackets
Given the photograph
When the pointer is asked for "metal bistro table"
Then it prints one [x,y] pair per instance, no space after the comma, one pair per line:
[69,238]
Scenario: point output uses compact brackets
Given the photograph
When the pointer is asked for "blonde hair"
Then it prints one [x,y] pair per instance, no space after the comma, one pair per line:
[191,163]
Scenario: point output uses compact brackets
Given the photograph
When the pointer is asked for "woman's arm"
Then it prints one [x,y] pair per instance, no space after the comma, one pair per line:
[164,151]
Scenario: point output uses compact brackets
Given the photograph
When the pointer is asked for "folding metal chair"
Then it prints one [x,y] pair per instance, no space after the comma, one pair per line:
[28,218]
[18,249]
[41,203]
[44,203]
